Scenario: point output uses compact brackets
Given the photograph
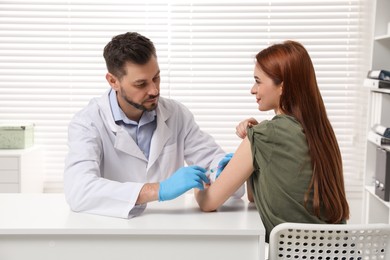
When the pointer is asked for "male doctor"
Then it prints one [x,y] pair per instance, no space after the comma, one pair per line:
[128,147]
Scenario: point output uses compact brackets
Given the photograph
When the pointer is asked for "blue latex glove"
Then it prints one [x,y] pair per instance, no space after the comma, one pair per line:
[222,164]
[181,181]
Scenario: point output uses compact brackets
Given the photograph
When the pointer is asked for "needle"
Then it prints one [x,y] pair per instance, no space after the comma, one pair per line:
[211,173]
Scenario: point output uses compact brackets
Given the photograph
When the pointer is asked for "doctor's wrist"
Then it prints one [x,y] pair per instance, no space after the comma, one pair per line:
[148,193]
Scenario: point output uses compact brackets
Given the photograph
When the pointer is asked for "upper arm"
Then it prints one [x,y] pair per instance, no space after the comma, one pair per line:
[84,140]
[236,172]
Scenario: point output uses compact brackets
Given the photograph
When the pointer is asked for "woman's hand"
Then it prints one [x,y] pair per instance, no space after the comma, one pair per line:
[243,125]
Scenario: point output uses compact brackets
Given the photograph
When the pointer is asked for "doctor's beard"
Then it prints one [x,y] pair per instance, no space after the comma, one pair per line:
[138,106]
[141,106]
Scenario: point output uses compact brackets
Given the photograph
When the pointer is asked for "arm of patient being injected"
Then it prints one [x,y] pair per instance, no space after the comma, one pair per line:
[236,172]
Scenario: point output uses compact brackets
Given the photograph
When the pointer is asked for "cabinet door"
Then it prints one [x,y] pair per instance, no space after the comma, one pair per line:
[9,174]
[9,187]
[9,163]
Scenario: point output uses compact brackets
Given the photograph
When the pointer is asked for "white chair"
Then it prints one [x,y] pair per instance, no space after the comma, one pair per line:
[330,242]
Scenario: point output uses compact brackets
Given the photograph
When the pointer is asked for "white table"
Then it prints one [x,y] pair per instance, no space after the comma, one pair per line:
[41,226]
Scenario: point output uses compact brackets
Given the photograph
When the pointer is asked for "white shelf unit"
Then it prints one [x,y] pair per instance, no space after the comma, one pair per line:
[21,170]
[379,209]
[376,209]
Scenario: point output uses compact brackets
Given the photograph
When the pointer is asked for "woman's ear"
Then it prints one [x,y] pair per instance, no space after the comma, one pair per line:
[281,88]
[113,81]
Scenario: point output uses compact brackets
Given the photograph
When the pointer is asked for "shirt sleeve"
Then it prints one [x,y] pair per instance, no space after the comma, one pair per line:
[262,145]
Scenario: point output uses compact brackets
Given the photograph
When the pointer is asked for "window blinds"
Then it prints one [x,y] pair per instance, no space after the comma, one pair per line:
[51,62]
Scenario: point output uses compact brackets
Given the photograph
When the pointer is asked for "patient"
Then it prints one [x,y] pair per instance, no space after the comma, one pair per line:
[292,163]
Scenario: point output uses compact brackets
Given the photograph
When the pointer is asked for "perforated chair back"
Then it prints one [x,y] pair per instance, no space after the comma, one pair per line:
[330,242]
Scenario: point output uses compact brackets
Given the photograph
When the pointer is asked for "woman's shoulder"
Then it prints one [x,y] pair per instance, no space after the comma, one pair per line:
[280,127]
[286,122]
[283,119]
[278,121]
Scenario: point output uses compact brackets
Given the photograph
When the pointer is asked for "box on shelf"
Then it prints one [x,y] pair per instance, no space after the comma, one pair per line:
[382,174]
[16,136]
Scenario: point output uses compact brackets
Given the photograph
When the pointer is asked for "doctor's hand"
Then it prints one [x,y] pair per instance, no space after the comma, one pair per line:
[222,164]
[243,125]
[181,181]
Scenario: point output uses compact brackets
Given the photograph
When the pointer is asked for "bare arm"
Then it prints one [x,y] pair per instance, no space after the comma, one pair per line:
[232,177]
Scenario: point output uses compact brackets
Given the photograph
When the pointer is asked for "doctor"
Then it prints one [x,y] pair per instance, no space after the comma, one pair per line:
[128,147]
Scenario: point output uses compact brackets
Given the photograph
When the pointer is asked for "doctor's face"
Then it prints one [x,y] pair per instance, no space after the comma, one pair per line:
[139,89]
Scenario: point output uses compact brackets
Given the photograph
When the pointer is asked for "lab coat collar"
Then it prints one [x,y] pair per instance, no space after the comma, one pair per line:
[126,144]
[162,133]
[123,140]
[104,103]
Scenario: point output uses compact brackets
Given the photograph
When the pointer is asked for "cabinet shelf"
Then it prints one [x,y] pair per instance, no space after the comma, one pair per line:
[381,90]
[383,38]
[378,210]
[383,146]
[371,84]
[371,190]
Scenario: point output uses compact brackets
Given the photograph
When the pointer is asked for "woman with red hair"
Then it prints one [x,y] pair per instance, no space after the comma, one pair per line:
[292,163]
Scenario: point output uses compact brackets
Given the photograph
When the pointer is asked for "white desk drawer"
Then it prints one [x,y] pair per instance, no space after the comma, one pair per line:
[9,187]
[9,176]
[21,170]
[9,163]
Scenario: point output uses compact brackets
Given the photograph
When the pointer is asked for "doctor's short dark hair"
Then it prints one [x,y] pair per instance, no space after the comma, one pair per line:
[128,47]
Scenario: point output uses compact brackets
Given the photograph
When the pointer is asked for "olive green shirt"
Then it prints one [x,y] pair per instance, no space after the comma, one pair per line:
[282,172]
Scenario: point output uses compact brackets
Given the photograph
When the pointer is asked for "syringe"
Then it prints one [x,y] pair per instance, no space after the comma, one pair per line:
[212,173]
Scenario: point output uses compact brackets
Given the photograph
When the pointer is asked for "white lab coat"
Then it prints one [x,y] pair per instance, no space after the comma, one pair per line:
[105,169]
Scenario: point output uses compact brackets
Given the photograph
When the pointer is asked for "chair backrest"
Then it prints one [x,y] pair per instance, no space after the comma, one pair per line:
[330,242]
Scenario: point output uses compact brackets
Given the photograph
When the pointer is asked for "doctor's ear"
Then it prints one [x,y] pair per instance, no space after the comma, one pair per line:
[112,80]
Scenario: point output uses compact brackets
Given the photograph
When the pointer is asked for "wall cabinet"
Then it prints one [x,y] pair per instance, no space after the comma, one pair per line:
[376,209]
[21,170]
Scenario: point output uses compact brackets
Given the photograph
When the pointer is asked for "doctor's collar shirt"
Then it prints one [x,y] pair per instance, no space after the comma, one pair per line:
[141,131]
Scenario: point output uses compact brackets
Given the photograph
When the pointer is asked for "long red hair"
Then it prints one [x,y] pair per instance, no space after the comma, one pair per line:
[289,63]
